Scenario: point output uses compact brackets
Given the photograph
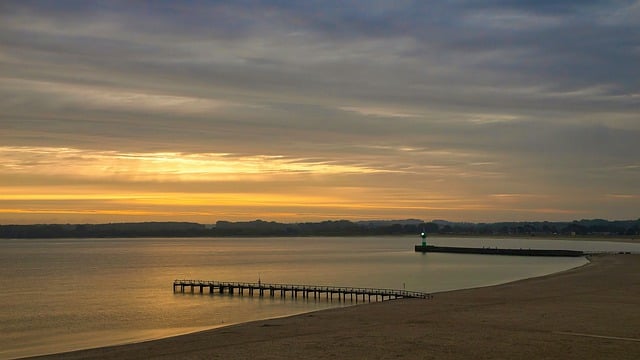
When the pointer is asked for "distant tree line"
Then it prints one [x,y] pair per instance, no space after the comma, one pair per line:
[595,227]
[143,229]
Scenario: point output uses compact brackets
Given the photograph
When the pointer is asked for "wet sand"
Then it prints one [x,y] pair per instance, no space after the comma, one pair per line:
[584,313]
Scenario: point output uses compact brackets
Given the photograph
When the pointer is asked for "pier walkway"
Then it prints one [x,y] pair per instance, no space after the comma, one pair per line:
[304,291]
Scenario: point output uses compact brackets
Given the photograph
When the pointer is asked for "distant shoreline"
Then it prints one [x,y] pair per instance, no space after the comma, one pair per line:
[620,239]
[583,229]
[612,238]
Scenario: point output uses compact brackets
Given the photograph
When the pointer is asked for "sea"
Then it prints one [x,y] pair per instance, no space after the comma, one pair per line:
[60,295]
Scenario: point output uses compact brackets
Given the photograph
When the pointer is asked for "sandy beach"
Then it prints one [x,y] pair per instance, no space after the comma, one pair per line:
[592,312]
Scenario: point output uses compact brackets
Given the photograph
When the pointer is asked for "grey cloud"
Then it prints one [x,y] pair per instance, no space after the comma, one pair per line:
[540,88]
[571,56]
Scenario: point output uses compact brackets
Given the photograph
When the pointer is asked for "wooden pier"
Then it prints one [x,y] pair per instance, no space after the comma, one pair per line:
[294,291]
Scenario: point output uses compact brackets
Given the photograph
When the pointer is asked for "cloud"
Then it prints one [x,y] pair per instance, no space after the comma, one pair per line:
[467,98]
[39,161]
[92,97]
[377,112]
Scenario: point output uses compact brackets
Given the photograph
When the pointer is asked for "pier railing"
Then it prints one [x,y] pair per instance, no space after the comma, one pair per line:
[294,290]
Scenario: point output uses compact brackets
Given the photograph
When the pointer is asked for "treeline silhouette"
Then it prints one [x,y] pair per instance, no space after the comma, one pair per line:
[596,227]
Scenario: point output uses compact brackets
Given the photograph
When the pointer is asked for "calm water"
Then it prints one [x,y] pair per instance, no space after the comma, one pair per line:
[60,295]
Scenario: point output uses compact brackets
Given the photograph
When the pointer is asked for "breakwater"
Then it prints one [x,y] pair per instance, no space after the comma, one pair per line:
[498,251]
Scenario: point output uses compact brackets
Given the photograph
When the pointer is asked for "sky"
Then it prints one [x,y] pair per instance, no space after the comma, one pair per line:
[295,111]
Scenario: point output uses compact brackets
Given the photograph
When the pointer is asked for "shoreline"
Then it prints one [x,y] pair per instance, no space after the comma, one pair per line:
[123,318]
[231,324]
[589,311]
[629,239]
